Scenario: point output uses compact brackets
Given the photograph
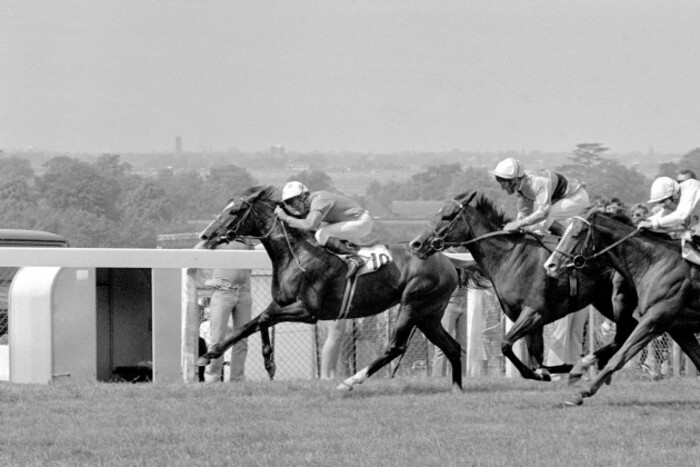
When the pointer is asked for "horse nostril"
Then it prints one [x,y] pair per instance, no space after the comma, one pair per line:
[203,237]
[415,245]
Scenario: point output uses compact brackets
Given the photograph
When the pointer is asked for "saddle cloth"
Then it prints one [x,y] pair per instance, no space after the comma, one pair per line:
[376,257]
[689,249]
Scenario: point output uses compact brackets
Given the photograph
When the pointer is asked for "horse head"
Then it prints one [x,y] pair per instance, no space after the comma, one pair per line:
[583,240]
[247,215]
[449,227]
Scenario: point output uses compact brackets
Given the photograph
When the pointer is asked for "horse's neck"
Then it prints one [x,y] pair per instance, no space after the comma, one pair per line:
[490,253]
[635,255]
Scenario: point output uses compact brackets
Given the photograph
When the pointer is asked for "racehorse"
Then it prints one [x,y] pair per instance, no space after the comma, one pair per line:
[669,286]
[308,283]
[513,263]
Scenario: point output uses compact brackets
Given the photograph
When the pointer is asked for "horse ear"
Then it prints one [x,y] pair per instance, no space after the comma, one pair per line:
[470,198]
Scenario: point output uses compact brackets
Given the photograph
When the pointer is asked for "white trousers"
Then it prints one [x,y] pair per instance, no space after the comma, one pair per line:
[347,230]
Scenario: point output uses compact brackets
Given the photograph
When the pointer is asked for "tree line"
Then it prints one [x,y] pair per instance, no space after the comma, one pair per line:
[104,203]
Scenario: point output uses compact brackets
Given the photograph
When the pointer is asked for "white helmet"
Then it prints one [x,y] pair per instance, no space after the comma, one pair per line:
[662,188]
[292,190]
[509,169]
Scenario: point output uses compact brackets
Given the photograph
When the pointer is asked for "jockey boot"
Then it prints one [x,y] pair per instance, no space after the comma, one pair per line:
[557,229]
[355,261]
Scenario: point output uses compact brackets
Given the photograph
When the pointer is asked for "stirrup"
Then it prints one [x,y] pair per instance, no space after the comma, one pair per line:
[354,265]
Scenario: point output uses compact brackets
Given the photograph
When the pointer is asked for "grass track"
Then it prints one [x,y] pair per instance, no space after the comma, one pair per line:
[384,422]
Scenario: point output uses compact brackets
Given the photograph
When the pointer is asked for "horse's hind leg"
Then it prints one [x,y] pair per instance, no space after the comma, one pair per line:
[528,321]
[399,340]
[439,336]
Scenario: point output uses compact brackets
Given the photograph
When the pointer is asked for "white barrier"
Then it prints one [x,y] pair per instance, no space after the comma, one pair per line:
[174,347]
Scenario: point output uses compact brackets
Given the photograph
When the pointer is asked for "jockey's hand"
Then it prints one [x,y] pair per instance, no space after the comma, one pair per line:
[511,226]
[645,225]
[281,215]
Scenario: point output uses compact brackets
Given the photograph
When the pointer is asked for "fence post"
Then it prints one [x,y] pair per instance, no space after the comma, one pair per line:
[676,359]
[190,327]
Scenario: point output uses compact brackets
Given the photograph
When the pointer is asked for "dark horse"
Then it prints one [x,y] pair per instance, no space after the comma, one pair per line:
[669,286]
[513,261]
[308,283]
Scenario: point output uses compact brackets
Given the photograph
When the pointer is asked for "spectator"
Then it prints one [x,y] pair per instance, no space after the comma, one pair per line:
[685,174]
[230,308]
[614,206]
[599,202]
[639,212]
[332,346]
[453,319]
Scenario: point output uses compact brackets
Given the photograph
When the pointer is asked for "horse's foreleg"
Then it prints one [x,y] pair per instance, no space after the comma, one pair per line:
[267,352]
[527,322]
[399,340]
[439,336]
[272,315]
[644,333]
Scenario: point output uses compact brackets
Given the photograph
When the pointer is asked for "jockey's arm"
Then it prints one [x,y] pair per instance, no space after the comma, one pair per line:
[311,222]
[538,209]
[689,199]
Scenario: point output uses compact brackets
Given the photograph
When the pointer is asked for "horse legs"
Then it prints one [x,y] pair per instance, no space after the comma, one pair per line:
[438,335]
[273,314]
[648,328]
[268,352]
[399,340]
[527,322]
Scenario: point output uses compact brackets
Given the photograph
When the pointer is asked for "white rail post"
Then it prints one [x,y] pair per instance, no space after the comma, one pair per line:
[190,327]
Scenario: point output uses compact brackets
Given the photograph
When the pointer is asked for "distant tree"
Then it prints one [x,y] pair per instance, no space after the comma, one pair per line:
[588,155]
[14,167]
[223,182]
[71,183]
[689,161]
[433,183]
[315,180]
[605,177]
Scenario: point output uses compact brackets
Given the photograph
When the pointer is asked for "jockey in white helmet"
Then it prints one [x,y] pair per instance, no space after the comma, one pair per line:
[332,216]
[546,200]
[682,199]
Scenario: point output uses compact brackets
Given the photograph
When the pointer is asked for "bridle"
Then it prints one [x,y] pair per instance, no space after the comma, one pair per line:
[232,232]
[580,260]
[438,242]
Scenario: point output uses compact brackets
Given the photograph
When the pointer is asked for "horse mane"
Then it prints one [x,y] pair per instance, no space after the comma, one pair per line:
[658,236]
[270,192]
[487,208]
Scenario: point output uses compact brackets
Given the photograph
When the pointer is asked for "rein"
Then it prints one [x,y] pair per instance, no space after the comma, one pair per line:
[579,261]
[438,244]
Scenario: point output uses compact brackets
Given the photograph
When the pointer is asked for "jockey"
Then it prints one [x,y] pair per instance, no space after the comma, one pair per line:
[343,219]
[682,199]
[546,200]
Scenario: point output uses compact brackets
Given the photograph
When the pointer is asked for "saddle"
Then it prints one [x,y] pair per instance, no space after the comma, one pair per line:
[376,257]
[690,248]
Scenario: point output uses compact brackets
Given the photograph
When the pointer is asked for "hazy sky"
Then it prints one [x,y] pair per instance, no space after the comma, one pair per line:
[365,75]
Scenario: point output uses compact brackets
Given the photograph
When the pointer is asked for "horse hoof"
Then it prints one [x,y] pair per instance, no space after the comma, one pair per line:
[575,401]
[457,389]
[201,361]
[608,380]
[543,375]
[344,387]
[573,379]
